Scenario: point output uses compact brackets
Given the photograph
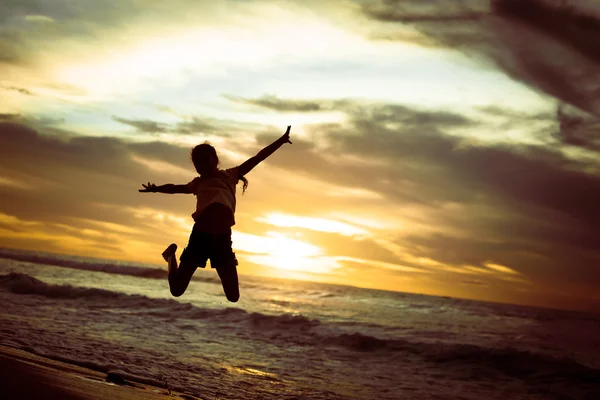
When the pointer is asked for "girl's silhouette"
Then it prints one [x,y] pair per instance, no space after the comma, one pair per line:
[213,218]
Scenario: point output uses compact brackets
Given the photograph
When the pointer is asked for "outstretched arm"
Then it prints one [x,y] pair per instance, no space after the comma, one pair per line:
[168,188]
[252,162]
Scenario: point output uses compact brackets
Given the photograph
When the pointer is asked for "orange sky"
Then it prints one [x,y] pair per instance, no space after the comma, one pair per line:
[422,160]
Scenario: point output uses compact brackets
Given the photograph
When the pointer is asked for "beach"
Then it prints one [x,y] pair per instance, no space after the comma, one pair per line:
[67,323]
[28,376]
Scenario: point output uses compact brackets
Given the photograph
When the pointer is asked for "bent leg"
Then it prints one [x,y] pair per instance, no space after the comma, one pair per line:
[180,279]
[229,279]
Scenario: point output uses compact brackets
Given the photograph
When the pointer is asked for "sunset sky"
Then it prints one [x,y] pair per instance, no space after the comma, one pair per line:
[440,147]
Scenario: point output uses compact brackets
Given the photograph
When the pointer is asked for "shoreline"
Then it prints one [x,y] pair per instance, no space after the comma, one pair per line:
[29,376]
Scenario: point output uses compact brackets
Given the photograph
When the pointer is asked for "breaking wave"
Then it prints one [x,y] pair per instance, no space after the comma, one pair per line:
[25,284]
[94,265]
[469,361]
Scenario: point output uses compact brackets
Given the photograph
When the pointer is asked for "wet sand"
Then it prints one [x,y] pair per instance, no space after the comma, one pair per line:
[24,375]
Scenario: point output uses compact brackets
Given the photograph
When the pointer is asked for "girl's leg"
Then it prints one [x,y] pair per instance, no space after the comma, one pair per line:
[229,279]
[179,278]
[223,259]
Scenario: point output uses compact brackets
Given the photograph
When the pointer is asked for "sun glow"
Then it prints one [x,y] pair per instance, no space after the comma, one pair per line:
[275,250]
[312,223]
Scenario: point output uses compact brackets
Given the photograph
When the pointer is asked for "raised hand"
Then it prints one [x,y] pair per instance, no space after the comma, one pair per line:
[149,188]
[286,135]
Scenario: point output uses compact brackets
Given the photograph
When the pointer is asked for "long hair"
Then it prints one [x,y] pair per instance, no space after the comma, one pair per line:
[202,150]
[245,185]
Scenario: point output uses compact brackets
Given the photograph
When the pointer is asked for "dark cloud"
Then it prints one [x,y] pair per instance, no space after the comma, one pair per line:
[274,103]
[408,118]
[460,250]
[549,48]
[197,125]
[21,40]
[192,126]
[18,89]
[519,116]
[144,126]
[523,175]
[387,113]
[66,89]
[382,113]
[70,176]
[531,248]
[563,22]
[569,125]
[578,129]
[80,18]
[401,14]
[426,163]
[9,117]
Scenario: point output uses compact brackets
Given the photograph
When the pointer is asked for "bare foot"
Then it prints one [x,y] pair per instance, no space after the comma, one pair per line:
[169,252]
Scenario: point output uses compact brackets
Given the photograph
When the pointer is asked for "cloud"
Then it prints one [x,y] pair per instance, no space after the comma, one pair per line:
[75,172]
[578,129]
[197,125]
[384,113]
[401,15]
[9,117]
[550,49]
[568,125]
[43,19]
[571,26]
[144,126]
[18,89]
[527,207]
[522,174]
[284,105]
[189,126]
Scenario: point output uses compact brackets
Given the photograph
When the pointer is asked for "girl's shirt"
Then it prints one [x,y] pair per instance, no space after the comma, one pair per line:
[216,188]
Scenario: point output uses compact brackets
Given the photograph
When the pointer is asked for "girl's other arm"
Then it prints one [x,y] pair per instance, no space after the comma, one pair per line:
[168,188]
[252,162]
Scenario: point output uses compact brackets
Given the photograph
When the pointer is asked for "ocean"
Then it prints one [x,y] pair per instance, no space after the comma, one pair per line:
[288,339]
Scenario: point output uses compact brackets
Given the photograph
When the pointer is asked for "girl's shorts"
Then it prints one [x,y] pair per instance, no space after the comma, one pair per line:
[204,246]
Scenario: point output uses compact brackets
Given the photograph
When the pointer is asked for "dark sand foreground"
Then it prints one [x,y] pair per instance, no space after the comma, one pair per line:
[27,376]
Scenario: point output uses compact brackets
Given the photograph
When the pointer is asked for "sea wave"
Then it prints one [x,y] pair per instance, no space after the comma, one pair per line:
[24,284]
[282,321]
[111,268]
[96,266]
[468,361]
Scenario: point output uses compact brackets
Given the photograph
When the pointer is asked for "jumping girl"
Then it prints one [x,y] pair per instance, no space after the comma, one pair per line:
[214,216]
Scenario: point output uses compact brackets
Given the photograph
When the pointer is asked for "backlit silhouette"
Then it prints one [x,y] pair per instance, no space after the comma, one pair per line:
[214,216]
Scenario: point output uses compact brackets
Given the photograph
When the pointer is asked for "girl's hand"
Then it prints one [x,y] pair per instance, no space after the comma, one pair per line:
[149,188]
[286,135]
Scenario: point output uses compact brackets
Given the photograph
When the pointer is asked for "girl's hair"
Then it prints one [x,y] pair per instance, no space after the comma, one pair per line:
[202,150]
